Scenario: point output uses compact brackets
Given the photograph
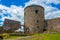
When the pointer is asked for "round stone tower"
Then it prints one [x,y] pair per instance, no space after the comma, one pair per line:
[34,19]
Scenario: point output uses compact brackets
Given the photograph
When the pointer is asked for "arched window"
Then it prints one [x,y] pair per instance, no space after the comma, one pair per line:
[27,29]
[38,29]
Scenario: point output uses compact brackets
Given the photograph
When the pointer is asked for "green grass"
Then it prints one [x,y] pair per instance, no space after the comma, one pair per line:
[51,37]
[47,37]
[12,37]
[40,37]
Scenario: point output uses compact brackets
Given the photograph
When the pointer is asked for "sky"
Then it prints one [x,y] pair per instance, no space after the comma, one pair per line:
[14,9]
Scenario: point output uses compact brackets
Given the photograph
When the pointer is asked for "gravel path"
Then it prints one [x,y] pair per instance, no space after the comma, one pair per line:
[26,38]
[21,38]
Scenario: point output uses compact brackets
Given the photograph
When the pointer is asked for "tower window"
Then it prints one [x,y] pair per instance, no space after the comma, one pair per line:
[38,27]
[36,11]
[37,21]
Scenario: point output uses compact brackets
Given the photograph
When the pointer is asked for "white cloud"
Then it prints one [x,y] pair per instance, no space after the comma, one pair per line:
[42,2]
[16,12]
[53,1]
[49,10]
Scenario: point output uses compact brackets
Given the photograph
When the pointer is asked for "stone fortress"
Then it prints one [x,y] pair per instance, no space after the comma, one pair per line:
[35,22]
[34,19]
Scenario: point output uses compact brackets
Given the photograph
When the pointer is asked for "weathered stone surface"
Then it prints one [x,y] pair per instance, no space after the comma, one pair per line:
[34,19]
[53,25]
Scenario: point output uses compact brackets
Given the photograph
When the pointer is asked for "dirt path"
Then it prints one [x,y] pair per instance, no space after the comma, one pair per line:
[27,38]
[21,38]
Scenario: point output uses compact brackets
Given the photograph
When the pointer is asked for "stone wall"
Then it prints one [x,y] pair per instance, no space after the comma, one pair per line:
[53,25]
[34,19]
[11,25]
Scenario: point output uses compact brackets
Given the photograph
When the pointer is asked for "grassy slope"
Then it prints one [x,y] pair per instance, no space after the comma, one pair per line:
[41,37]
[47,37]
[52,37]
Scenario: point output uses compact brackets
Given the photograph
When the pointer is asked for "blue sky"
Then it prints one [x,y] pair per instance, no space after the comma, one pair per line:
[55,5]
[14,9]
[13,2]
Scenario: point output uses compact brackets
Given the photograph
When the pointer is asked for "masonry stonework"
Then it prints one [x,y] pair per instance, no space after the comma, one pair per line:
[53,25]
[10,26]
[34,22]
[34,19]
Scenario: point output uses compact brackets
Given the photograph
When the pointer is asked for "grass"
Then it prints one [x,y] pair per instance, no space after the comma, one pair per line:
[12,37]
[51,37]
[40,37]
[47,37]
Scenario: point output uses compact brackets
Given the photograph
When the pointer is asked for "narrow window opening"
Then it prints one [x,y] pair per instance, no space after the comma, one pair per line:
[36,11]
[38,27]
[37,21]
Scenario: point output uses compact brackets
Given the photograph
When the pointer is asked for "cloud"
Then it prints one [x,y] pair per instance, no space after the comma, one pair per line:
[49,10]
[13,12]
[44,2]
[53,1]
[17,12]
[1,22]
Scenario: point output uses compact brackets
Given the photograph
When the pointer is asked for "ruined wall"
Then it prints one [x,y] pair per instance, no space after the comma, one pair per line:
[34,19]
[11,25]
[53,25]
[1,29]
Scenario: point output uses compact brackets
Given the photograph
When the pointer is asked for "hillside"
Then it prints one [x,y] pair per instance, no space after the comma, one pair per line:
[37,37]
